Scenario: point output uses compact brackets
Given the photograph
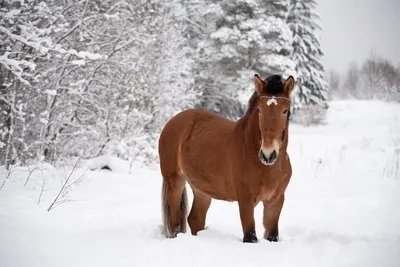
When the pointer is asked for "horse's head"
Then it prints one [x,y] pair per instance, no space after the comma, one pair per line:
[273,107]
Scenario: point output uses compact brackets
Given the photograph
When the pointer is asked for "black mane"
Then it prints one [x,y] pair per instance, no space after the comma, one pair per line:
[273,86]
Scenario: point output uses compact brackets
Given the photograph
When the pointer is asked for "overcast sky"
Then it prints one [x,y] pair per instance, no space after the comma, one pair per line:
[354,28]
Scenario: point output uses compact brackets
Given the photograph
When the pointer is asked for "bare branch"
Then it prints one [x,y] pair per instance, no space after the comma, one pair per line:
[62,196]
[76,26]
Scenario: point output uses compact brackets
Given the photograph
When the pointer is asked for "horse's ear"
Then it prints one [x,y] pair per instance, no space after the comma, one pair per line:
[289,85]
[259,83]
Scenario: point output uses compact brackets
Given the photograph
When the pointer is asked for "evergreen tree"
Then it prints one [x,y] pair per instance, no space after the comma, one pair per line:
[278,39]
[303,21]
[217,92]
[249,37]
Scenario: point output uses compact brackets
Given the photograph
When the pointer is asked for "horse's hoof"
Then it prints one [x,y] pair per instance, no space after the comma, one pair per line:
[272,238]
[172,234]
[250,238]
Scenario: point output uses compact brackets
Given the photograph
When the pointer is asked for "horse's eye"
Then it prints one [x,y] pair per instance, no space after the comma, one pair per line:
[285,111]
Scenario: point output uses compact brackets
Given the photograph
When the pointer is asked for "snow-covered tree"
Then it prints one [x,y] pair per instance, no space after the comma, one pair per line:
[247,37]
[118,104]
[25,29]
[174,89]
[278,37]
[85,78]
[160,80]
[334,81]
[378,78]
[351,82]
[312,89]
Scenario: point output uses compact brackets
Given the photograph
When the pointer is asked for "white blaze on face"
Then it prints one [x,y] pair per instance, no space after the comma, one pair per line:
[272,100]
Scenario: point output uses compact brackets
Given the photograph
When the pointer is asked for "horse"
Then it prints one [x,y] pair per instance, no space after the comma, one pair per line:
[244,161]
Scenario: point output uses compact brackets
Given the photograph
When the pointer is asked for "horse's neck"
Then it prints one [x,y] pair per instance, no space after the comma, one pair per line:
[249,131]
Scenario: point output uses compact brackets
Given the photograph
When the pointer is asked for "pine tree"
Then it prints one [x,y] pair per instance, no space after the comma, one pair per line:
[312,89]
[217,91]
[248,37]
[278,39]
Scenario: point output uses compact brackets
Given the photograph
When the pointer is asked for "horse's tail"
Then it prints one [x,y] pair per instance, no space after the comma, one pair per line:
[166,212]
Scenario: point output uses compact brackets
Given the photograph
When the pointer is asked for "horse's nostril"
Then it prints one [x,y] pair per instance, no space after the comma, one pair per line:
[273,156]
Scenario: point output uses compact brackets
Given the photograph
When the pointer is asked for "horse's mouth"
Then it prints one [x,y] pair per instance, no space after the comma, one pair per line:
[267,160]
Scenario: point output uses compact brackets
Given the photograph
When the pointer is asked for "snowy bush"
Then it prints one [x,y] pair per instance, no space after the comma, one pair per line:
[376,78]
[310,116]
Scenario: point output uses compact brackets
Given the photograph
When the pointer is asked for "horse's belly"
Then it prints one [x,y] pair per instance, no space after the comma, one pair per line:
[212,189]
[209,177]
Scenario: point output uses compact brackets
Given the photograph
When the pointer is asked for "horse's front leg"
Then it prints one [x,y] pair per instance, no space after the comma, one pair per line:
[272,211]
[246,208]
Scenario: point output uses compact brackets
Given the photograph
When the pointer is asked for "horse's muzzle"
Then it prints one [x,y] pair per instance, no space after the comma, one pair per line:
[268,159]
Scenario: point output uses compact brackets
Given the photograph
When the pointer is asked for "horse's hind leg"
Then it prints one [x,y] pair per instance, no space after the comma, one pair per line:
[197,216]
[174,204]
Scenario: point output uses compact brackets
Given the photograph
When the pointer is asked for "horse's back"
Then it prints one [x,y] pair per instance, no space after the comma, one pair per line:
[179,125]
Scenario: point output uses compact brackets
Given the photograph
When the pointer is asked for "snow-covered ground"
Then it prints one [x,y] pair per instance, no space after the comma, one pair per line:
[341,209]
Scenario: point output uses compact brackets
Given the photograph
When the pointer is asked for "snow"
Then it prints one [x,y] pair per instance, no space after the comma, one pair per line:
[79,62]
[341,207]
[115,164]
[25,39]
[51,92]
[115,16]
[43,120]
[85,54]
[16,65]
[10,14]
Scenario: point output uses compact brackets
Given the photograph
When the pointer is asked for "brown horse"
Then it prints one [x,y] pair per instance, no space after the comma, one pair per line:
[244,161]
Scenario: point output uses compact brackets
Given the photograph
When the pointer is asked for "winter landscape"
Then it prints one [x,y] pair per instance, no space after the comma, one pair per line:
[87,86]
[341,207]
